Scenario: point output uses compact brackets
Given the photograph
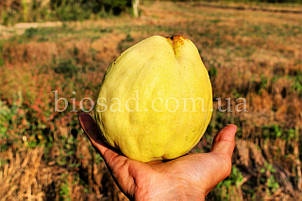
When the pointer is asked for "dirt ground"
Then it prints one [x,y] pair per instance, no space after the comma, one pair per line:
[250,51]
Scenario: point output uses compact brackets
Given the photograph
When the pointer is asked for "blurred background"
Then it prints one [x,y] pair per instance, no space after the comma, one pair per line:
[252,50]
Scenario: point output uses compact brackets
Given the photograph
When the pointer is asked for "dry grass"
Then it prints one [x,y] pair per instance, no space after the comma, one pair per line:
[25,176]
[251,54]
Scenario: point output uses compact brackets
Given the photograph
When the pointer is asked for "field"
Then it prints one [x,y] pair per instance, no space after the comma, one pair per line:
[250,53]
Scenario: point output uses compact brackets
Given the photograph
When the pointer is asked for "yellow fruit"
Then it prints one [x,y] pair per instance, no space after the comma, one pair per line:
[155,101]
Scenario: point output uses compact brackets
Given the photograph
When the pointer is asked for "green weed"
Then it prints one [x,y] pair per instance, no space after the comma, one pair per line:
[212,72]
[64,10]
[260,85]
[272,184]
[67,68]
[31,32]
[273,131]
[224,189]
[64,192]
[269,180]
[126,43]
[1,54]
[297,85]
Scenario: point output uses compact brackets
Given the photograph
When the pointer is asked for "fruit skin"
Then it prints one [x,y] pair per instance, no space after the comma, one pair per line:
[152,76]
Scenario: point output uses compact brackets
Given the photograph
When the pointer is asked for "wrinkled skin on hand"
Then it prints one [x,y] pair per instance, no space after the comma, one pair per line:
[189,177]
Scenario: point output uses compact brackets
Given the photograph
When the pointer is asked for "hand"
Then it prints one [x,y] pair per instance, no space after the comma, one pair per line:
[189,177]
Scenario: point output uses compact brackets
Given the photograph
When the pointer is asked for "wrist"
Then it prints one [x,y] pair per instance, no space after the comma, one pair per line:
[187,193]
[170,190]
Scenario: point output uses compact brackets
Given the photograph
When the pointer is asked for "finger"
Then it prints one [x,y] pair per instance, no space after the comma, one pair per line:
[224,142]
[117,164]
[95,136]
[92,131]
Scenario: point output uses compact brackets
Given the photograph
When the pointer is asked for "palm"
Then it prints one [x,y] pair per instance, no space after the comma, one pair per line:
[189,177]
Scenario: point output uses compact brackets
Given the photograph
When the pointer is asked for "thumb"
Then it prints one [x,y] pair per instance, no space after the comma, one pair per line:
[224,142]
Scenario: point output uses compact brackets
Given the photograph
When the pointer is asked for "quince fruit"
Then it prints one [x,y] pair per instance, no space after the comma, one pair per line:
[155,101]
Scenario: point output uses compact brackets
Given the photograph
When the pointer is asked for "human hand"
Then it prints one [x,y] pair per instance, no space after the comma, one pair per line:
[189,177]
